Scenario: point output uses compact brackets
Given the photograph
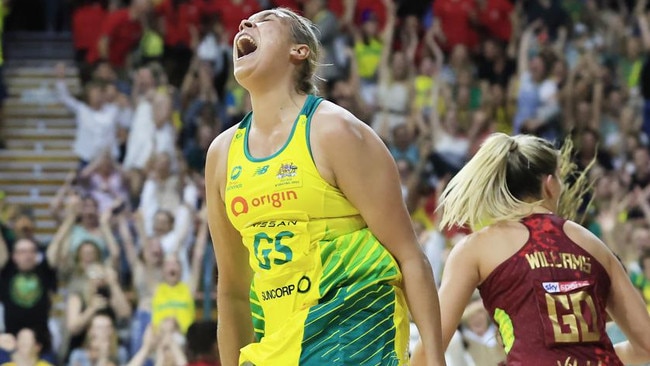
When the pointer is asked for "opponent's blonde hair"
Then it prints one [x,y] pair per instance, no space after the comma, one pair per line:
[501,182]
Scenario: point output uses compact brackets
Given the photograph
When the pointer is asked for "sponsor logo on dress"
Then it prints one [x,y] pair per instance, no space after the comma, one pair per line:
[240,205]
[563,287]
[303,286]
[261,170]
[287,170]
[235,172]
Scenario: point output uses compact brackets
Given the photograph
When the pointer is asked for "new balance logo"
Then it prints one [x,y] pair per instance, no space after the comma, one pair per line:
[261,170]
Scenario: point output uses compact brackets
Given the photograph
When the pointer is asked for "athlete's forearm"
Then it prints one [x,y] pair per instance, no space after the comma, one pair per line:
[631,355]
[422,298]
[235,328]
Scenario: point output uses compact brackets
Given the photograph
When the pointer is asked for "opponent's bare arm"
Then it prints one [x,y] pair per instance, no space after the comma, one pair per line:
[625,304]
[460,279]
[235,324]
[351,156]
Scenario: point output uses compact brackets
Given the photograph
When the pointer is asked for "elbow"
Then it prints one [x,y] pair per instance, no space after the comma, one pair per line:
[644,347]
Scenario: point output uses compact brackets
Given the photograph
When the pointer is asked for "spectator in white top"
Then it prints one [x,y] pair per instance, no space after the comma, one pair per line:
[138,147]
[105,183]
[164,212]
[96,121]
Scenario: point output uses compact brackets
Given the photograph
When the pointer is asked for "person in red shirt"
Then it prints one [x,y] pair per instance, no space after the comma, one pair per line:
[231,12]
[181,19]
[496,16]
[548,283]
[455,23]
[85,32]
[120,34]
[361,7]
[294,5]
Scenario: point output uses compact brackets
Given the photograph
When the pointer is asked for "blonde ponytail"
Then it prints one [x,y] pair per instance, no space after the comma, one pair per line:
[501,182]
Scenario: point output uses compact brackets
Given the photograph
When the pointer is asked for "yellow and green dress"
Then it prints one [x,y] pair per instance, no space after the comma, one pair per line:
[325,291]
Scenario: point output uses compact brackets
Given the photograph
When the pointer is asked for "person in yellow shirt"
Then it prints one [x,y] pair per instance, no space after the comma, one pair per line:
[173,298]
[27,349]
[318,261]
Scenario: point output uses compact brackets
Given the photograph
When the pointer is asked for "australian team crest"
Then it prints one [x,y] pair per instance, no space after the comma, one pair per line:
[287,170]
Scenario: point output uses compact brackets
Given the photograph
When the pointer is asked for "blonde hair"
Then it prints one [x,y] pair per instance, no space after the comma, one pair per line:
[499,182]
[303,32]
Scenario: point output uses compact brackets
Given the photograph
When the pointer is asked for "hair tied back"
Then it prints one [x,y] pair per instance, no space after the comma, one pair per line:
[513,145]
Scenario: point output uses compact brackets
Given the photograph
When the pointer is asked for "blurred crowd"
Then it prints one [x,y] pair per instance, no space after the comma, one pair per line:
[129,276]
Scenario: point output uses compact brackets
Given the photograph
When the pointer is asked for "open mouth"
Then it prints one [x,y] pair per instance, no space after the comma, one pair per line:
[245,46]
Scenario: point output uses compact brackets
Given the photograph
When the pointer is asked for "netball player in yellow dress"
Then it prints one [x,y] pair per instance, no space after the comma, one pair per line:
[318,263]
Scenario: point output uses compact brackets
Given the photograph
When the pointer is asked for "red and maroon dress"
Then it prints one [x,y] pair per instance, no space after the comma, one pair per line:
[549,301]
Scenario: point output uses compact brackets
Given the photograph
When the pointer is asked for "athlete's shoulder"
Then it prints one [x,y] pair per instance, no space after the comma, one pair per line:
[221,143]
[217,155]
[335,123]
[588,241]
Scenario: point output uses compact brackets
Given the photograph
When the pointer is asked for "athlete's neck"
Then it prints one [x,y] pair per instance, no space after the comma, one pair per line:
[273,107]
[541,209]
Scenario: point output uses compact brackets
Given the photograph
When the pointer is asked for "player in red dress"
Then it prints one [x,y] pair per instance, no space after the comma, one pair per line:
[548,282]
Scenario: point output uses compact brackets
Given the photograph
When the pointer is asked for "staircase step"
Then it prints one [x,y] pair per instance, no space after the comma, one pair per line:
[19,190]
[40,145]
[47,167]
[37,202]
[38,36]
[37,112]
[23,89]
[33,62]
[37,134]
[50,179]
[39,123]
[39,131]
[43,213]
[38,81]
[24,107]
[35,72]
[42,50]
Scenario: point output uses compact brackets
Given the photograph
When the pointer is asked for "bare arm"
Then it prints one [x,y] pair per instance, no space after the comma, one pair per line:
[182,224]
[515,20]
[55,251]
[57,203]
[118,301]
[78,320]
[624,304]
[127,239]
[387,42]
[460,278]
[341,145]
[524,46]
[363,110]
[235,323]
[109,238]
[140,358]
[102,47]
[439,56]
[435,127]
[64,96]
[597,104]
[349,6]
[199,253]
[628,309]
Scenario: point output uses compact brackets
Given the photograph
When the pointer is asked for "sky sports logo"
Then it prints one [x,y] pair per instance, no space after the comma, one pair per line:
[563,287]
[240,205]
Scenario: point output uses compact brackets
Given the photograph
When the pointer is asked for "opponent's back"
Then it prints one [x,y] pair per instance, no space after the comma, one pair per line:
[549,300]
